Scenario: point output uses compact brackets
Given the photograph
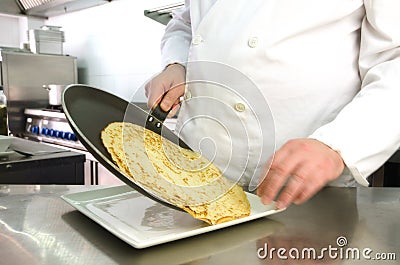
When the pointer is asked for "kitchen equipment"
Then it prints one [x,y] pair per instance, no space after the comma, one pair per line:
[156,119]
[23,75]
[3,113]
[90,110]
[34,148]
[162,14]
[149,223]
[55,92]
[5,142]
[51,126]
[40,164]
[47,40]
[46,8]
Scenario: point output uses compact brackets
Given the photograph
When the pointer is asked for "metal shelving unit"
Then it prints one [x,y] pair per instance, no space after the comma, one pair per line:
[162,14]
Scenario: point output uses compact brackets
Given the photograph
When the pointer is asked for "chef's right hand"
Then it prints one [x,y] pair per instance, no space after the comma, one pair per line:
[170,81]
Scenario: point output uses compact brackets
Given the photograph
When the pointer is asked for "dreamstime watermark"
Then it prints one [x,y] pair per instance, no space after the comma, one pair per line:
[340,251]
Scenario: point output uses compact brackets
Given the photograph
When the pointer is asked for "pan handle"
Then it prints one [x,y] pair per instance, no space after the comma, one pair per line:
[156,117]
[159,114]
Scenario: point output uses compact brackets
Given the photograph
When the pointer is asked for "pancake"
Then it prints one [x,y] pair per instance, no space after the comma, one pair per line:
[180,176]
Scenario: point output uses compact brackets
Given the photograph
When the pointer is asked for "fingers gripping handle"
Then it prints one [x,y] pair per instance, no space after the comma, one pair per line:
[155,120]
[156,117]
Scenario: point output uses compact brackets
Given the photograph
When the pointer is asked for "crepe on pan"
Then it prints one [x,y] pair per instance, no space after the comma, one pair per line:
[182,177]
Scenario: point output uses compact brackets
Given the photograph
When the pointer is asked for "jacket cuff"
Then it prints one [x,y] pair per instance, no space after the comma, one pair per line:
[355,172]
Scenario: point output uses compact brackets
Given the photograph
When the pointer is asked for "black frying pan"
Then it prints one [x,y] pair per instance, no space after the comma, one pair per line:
[90,110]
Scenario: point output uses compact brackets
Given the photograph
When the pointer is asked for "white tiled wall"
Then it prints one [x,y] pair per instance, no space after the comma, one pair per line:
[116,45]
[9,31]
[13,29]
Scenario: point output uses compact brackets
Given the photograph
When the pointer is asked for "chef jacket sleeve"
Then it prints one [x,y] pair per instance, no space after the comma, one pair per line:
[367,131]
[177,38]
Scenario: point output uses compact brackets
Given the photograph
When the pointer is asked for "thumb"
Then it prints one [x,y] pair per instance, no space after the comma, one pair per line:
[171,97]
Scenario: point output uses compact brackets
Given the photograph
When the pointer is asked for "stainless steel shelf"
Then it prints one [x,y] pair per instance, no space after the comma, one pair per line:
[162,14]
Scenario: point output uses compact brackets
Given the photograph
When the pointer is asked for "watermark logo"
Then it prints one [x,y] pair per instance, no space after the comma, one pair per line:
[341,241]
[339,251]
[223,117]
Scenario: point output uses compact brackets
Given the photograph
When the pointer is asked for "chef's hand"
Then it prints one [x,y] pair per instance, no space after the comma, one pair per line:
[172,79]
[307,165]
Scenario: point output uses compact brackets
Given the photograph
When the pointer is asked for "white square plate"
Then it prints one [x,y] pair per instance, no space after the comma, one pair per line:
[142,222]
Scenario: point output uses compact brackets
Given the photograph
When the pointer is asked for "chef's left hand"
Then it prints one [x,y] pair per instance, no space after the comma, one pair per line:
[306,165]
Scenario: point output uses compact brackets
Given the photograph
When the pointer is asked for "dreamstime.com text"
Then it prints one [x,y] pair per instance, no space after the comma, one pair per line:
[340,251]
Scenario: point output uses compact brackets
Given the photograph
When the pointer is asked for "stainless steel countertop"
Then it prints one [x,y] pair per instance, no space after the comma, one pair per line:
[38,227]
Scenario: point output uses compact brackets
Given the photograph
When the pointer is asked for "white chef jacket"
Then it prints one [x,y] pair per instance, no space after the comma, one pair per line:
[330,70]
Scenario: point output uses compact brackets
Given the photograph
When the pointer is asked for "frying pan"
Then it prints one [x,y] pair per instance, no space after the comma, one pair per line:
[89,110]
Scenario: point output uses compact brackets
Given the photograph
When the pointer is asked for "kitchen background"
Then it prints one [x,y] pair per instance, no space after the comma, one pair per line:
[117,49]
[116,46]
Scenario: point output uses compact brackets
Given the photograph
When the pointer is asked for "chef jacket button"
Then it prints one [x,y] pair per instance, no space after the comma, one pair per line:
[187,95]
[253,42]
[197,40]
[240,107]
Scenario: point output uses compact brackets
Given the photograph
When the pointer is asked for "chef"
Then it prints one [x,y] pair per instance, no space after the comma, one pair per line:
[328,75]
